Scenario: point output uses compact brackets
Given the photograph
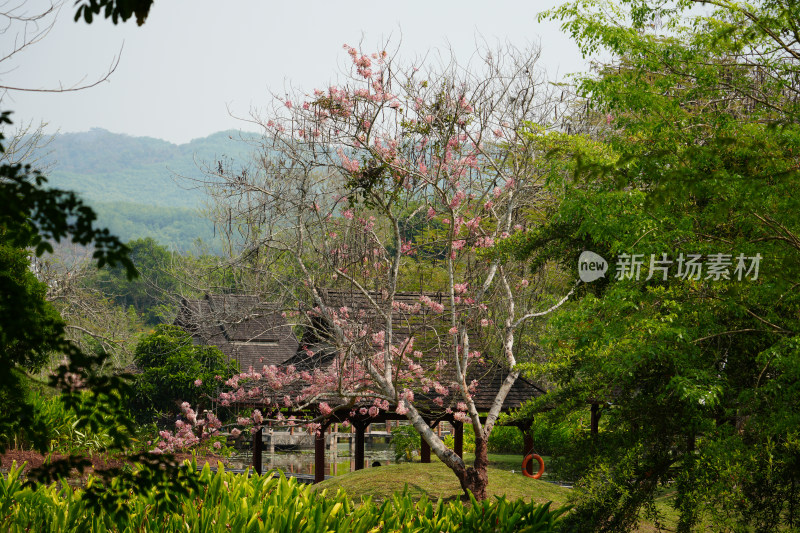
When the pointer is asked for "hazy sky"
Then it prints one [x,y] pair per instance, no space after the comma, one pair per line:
[181,73]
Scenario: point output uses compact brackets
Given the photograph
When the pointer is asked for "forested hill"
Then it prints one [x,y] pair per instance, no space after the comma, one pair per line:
[133,183]
[111,167]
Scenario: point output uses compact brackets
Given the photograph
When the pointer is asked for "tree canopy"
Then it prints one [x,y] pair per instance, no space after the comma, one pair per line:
[690,342]
[175,370]
[33,217]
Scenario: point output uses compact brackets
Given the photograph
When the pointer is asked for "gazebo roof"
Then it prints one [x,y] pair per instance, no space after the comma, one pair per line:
[255,334]
[433,329]
[245,329]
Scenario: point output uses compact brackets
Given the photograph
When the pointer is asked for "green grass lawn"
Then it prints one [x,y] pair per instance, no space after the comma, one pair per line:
[435,480]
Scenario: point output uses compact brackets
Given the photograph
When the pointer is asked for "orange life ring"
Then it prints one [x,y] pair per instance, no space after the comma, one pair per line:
[525,462]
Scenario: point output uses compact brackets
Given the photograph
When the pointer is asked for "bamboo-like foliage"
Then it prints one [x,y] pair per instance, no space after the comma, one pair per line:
[270,503]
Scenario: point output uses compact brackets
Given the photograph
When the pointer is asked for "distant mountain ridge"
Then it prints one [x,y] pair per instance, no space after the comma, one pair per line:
[112,167]
[132,182]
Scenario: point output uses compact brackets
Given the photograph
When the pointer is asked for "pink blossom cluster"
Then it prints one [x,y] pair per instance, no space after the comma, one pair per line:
[351,165]
[367,224]
[434,306]
[381,403]
[473,225]
[407,248]
[402,306]
[407,395]
[461,416]
[484,242]
[186,432]
[458,197]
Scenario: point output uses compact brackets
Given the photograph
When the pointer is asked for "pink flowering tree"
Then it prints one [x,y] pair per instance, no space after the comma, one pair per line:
[398,179]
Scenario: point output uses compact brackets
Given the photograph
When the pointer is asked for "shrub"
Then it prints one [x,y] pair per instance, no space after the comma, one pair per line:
[505,439]
[235,502]
[174,370]
[469,439]
[406,441]
[59,426]
[553,438]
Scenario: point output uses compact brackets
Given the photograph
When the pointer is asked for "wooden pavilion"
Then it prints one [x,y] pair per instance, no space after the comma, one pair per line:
[429,326]
[255,334]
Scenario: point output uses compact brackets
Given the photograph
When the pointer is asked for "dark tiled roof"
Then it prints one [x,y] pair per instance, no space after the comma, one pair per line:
[490,377]
[251,332]
[430,332]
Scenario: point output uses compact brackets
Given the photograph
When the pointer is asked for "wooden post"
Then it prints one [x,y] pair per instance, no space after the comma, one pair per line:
[319,454]
[258,446]
[334,436]
[527,446]
[595,419]
[458,438]
[424,451]
[359,455]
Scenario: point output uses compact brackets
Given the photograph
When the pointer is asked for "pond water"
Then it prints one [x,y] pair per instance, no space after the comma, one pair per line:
[301,461]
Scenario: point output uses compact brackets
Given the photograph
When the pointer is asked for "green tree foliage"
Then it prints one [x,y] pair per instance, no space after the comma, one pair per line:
[177,228]
[116,10]
[698,378]
[33,216]
[506,439]
[406,442]
[164,277]
[174,370]
[29,325]
[149,292]
[29,329]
